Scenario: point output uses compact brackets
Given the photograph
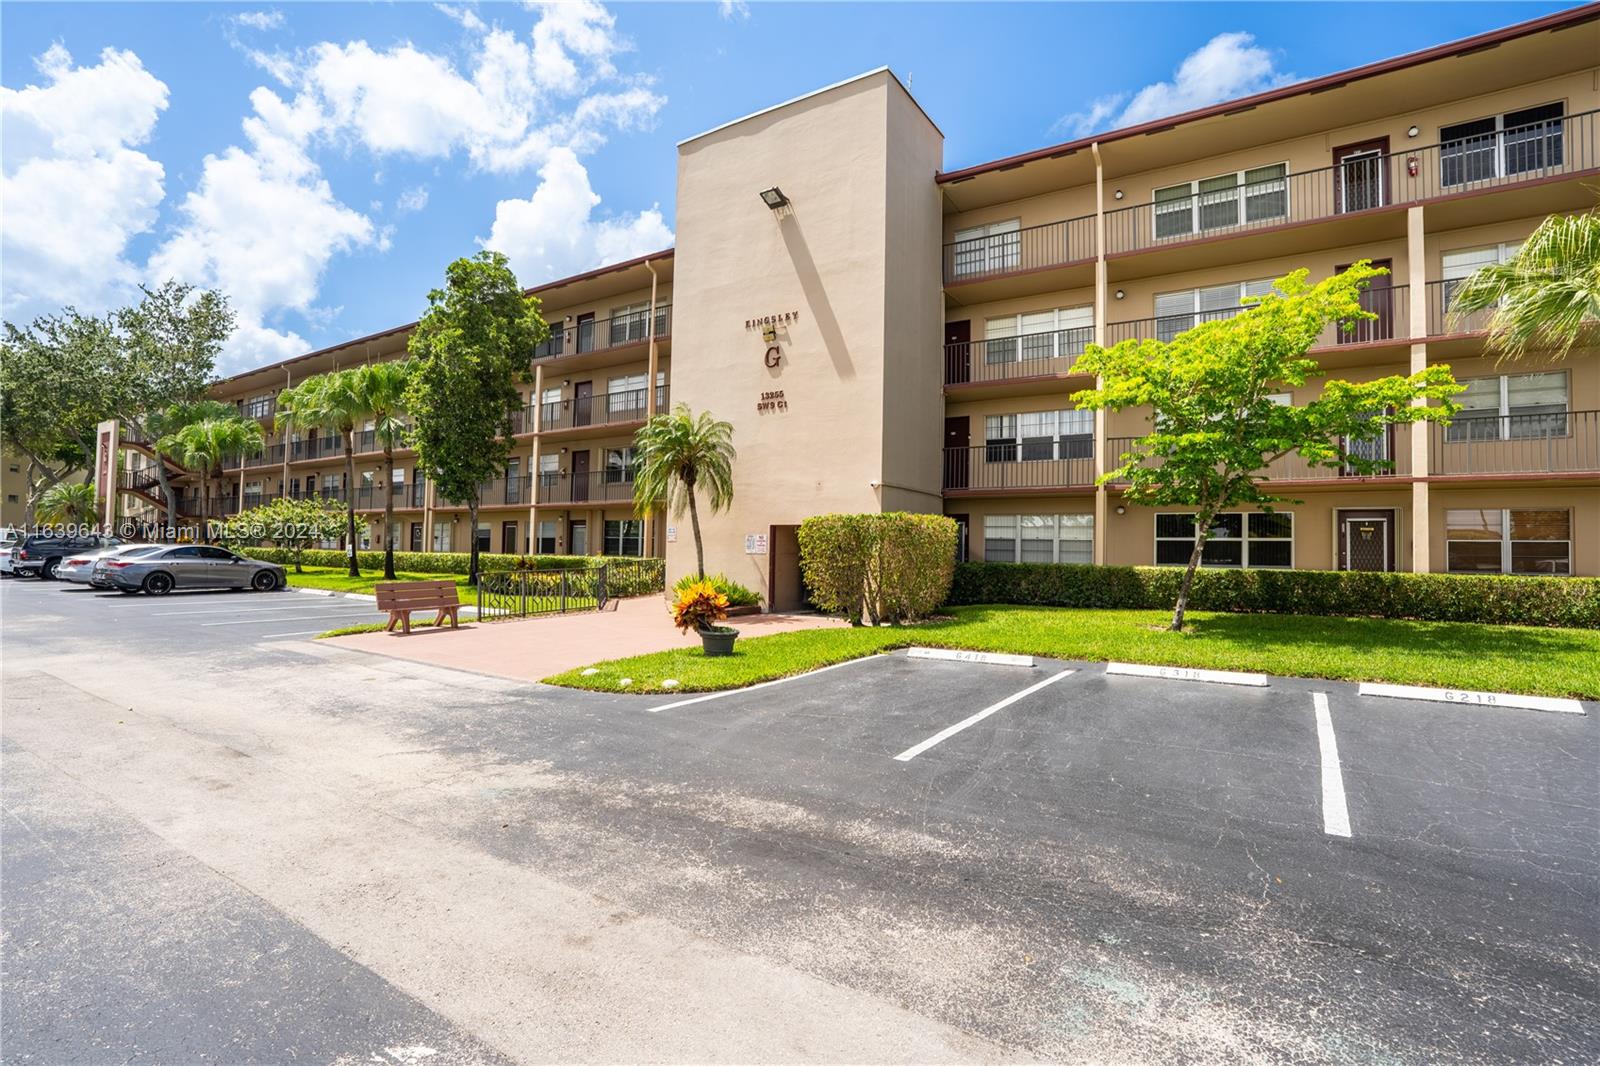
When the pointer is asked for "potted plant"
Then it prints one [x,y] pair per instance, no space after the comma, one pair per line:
[700,607]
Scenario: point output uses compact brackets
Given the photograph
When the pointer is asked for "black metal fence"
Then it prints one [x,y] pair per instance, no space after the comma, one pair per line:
[526,593]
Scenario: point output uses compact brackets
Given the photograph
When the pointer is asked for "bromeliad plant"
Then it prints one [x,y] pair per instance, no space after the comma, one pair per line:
[699,607]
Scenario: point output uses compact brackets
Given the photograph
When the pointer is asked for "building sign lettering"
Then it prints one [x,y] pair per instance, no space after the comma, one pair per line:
[772,401]
[761,321]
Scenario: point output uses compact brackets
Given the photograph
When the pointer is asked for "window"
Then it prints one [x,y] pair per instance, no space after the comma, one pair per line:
[1063,538]
[1038,335]
[624,537]
[630,323]
[986,249]
[258,406]
[625,396]
[1256,540]
[1540,541]
[1227,200]
[1184,308]
[1462,263]
[1502,145]
[619,465]
[441,536]
[1042,435]
[547,538]
[1511,407]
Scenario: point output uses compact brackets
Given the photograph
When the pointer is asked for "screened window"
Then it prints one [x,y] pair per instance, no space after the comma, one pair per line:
[1260,194]
[1182,309]
[1495,541]
[1038,435]
[624,537]
[1064,538]
[1064,331]
[1511,407]
[625,396]
[630,323]
[1502,145]
[1000,538]
[1237,539]
[985,249]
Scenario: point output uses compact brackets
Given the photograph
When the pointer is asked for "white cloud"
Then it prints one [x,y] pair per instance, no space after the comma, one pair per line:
[1229,65]
[734,9]
[467,17]
[260,20]
[76,189]
[553,233]
[412,200]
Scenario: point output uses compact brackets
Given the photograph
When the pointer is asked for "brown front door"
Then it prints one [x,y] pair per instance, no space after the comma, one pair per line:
[580,477]
[1361,175]
[957,352]
[582,397]
[508,538]
[957,454]
[585,333]
[1379,299]
[1366,540]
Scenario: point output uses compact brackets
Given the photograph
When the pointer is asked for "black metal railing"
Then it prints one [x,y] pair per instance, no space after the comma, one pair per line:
[1550,148]
[1066,462]
[1008,358]
[499,492]
[1546,442]
[599,486]
[589,334]
[337,494]
[1030,248]
[1443,320]
[523,593]
[1392,448]
[608,409]
[316,448]
[406,496]
[1391,305]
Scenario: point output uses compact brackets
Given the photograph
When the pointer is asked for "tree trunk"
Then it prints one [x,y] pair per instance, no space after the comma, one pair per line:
[388,511]
[205,506]
[694,524]
[1202,530]
[472,531]
[161,479]
[350,498]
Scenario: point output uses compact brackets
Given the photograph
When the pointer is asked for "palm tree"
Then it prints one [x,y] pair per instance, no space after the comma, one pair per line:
[330,401]
[164,424]
[677,453]
[381,388]
[1546,296]
[68,505]
[204,447]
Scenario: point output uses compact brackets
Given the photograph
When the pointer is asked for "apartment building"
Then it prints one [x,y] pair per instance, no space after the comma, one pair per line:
[886,334]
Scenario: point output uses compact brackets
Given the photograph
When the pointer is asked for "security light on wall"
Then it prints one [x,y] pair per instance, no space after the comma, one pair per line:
[1117,195]
[774,198]
[1412,132]
[1120,294]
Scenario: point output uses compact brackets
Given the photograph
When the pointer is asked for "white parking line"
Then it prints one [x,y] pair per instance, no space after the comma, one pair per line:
[764,684]
[1335,815]
[301,633]
[275,618]
[254,610]
[945,734]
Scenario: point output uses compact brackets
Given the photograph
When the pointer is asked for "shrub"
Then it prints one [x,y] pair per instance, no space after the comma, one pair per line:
[1489,599]
[737,594]
[879,567]
[699,606]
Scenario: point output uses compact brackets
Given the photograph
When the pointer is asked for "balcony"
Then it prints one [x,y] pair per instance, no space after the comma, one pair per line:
[1540,152]
[1560,442]
[593,335]
[610,409]
[1006,359]
[1021,251]
[599,486]
[516,491]
[315,448]
[407,496]
[1026,468]
[1391,305]
[337,495]
[1394,447]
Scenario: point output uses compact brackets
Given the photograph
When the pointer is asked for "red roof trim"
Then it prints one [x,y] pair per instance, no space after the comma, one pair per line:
[1559,20]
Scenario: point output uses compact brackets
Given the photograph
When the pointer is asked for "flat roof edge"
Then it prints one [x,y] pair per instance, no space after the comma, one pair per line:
[792,100]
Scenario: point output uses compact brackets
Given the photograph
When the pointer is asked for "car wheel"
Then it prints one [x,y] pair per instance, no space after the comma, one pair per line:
[48,571]
[264,581]
[158,584]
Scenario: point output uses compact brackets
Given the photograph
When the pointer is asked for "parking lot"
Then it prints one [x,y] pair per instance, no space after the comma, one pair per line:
[1055,860]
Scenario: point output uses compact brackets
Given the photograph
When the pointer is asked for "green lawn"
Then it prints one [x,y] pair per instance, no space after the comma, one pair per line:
[335,578]
[1551,662]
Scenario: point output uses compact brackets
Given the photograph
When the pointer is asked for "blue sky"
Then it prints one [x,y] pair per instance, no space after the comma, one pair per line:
[323,162]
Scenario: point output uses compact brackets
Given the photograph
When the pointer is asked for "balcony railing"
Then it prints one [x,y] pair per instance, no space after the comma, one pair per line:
[1391,305]
[1057,463]
[1551,148]
[337,495]
[599,486]
[1008,358]
[609,409]
[1393,447]
[590,335]
[1556,442]
[1032,248]
[315,448]
[1443,321]
[406,495]
[514,491]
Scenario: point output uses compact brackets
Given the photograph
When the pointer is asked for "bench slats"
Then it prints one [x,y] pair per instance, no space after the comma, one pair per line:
[400,598]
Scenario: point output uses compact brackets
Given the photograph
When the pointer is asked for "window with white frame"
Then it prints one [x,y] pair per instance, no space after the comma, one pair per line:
[987,248]
[1259,194]
[546,543]
[630,323]
[619,465]
[1253,540]
[1517,142]
[1035,435]
[625,398]
[1459,264]
[1508,541]
[1184,308]
[1511,407]
[1047,538]
[624,536]
[1063,331]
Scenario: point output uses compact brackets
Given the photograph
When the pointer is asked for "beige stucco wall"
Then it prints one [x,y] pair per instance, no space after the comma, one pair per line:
[861,410]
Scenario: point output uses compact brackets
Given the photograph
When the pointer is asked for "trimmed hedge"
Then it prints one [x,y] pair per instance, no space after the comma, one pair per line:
[892,566]
[1489,599]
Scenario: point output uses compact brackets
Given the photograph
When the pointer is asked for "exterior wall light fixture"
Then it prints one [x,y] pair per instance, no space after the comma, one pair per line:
[774,198]
[1412,132]
[1117,195]
[1120,294]
[1121,509]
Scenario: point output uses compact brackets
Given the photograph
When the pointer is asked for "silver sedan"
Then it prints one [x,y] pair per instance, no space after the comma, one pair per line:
[193,566]
[79,567]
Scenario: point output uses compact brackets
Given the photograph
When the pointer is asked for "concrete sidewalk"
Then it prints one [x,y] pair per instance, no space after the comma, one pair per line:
[532,649]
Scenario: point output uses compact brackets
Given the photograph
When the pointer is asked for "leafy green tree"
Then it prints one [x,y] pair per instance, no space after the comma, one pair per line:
[678,453]
[469,351]
[330,401]
[288,523]
[69,504]
[1546,298]
[204,446]
[1215,427]
[381,389]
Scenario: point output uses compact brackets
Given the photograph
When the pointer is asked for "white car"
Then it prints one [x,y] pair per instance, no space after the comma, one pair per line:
[79,567]
[10,539]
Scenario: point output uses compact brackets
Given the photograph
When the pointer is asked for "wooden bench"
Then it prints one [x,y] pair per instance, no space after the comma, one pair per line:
[400,598]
